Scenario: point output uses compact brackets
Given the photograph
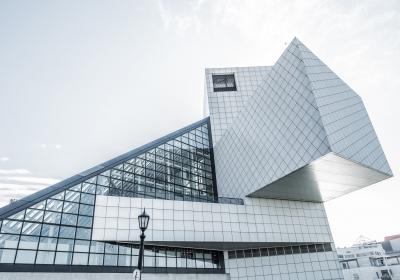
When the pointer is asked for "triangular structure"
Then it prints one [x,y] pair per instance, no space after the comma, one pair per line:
[54,226]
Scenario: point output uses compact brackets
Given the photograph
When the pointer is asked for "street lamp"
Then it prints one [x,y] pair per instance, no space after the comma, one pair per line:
[143,219]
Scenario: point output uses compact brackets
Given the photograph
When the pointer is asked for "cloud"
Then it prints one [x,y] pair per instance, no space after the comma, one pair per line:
[180,16]
[14,172]
[29,180]
[16,191]
[15,184]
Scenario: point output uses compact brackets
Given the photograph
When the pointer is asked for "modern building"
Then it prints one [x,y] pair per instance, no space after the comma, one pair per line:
[237,195]
[368,260]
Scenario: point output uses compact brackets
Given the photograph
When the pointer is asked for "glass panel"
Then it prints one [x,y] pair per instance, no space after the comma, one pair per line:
[8,241]
[82,246]
[28,242]
[7,255]
[65,244]
[86,210]
[50,230]
[72,196]
[63,258]
[96,259]
[83,233]
[47,243]
[44,257]
[88,188]
[69,219]
[39,205]
[52,217]
[18,216]
[111,248]
[67,232]
[110,260]
[97,247]
[25,256]
[54,205]
[124,260]
[85,221]
[71,207]
[80,259]
[11,227]
[87,198]
[31,228]
[34,215]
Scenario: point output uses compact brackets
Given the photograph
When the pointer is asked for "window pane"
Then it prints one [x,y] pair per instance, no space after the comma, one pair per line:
[86,210]
[96,259]
[87,198]
[65,244]
[69,219]
[44,257]
[124,260]
[24,256]
[80,259]
[47,243]
[110,260]
[63,258]
[31,228]
[8,241]
[34,215]
[111,248]
[50,230]
[11,227]
[7,256]
[52,217]
[71,207]
[54,205]
[96,247]
[85,221]
[72,196]
[82,246]
[68,232]
[83,233]
[28,242]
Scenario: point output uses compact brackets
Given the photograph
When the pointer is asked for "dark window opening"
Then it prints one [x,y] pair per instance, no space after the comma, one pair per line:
[224,82]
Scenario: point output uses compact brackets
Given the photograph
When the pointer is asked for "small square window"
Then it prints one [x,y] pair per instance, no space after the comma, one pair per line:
[224,82]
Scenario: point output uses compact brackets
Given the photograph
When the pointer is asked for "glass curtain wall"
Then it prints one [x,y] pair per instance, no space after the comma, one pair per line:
[58,230]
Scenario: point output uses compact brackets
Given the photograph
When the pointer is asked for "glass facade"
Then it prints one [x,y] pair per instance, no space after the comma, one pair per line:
[58,230]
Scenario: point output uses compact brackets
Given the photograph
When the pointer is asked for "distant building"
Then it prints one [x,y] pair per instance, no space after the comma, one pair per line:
[368,259]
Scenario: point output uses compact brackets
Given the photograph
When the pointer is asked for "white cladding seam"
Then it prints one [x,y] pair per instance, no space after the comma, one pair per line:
[298,114]
[224,106]
[260,220]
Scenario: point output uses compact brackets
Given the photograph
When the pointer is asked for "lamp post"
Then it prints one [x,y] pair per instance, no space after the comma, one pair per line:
[143,219]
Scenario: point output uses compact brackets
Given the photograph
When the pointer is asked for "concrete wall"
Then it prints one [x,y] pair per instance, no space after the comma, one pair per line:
[107,276]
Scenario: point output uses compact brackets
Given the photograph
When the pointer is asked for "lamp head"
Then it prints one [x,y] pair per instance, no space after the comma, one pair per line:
[143,219]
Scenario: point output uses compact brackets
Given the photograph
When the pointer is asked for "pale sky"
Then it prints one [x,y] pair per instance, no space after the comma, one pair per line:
[84,81]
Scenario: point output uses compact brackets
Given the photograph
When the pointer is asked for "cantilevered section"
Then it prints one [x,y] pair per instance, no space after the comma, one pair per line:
[303,134]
